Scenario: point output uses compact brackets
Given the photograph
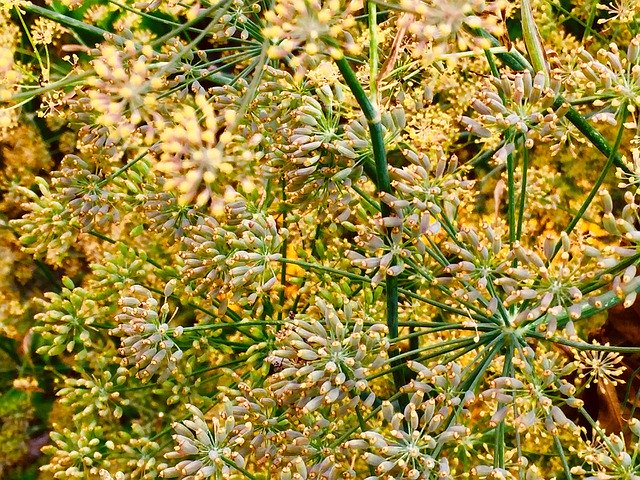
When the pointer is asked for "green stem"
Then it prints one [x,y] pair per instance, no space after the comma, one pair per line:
[589,25]
[234,465]
[373,51]
[382,180]
[494,71]
[511,189]
[586,346]
[383,183]
[222,8]
[593,135]
[507,370]
[523,191]
[563,459]
[122,169]
[68,21]
[485,359]
[599,181]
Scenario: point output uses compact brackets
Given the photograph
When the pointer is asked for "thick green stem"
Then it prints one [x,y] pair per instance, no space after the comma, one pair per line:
[382,181]
[383,184]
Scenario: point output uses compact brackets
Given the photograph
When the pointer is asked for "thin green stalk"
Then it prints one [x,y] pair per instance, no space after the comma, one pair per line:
[589,25]
[216,326]
[68,21]
[558,6]
[507,371]
[361,421]
[366,197]
[511,190]
[593,135]
[427,328]
[501,308]
[28,95]
[523,191]
[445,360]
[408,293]
[563,458]
[606,301]
[122,169]
[417,269]
[586,346]
[470,383]
[485,155]
[283,251]
[494,71]
[234,465]
[598,183]
[445,346]
[373,51]
[102,237]
[259,63]
[460,350]
[223,6]
[154,18]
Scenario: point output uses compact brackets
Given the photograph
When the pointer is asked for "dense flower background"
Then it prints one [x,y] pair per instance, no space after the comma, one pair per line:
[319,239]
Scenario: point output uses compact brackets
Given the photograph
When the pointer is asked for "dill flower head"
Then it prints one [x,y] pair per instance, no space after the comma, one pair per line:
[522,106]
[325,356]
[80,186]
[76,453]
[208,452]
[308,28]
[620,11]
[147,347]
[600,366]
[409,446]
[66,324]
[98,395]
[438,25]
[612,456]
[223,261]
[630,177]
[191,157]
[268,431]
[123,92]
[615,79]
[318,164]
[166,215]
